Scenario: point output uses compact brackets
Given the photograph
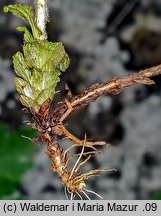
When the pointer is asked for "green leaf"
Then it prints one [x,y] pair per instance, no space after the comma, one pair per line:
[36,79]
[41,53]
[26,89]
[15,157]
[20,66]
[46,94]
[50,79]
[28,102]
[64,64]
[20,84]
[56,52]
[23,11]
[27,35]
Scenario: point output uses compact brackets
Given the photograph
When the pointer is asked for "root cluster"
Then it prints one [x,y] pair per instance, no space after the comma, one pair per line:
[50,124]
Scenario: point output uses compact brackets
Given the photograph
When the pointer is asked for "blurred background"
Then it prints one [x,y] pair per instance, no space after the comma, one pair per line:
[105,39]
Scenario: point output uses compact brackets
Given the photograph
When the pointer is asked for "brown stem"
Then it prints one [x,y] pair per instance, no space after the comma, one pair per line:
[56,154]
[114,86]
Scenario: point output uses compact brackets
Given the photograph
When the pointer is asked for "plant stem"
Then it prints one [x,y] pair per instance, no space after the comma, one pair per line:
[41,17]
[114,86]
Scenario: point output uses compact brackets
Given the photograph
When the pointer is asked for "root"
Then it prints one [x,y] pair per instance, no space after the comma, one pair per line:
[82,163]
[69,110]
[91,173]
[77,141]
[90,191]
[75,165]
[28,138]
[51,125]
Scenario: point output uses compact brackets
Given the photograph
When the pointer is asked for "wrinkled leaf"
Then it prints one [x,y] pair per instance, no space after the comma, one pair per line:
[37,79]
[45,94]
[25,12]
[50,79]
[64,64]
[24,88]
[40,54]
[28,102]
[27,35]
[20,66]
[20,84]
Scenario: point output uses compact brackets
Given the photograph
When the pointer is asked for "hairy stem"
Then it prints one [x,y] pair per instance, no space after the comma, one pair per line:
[41,17]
